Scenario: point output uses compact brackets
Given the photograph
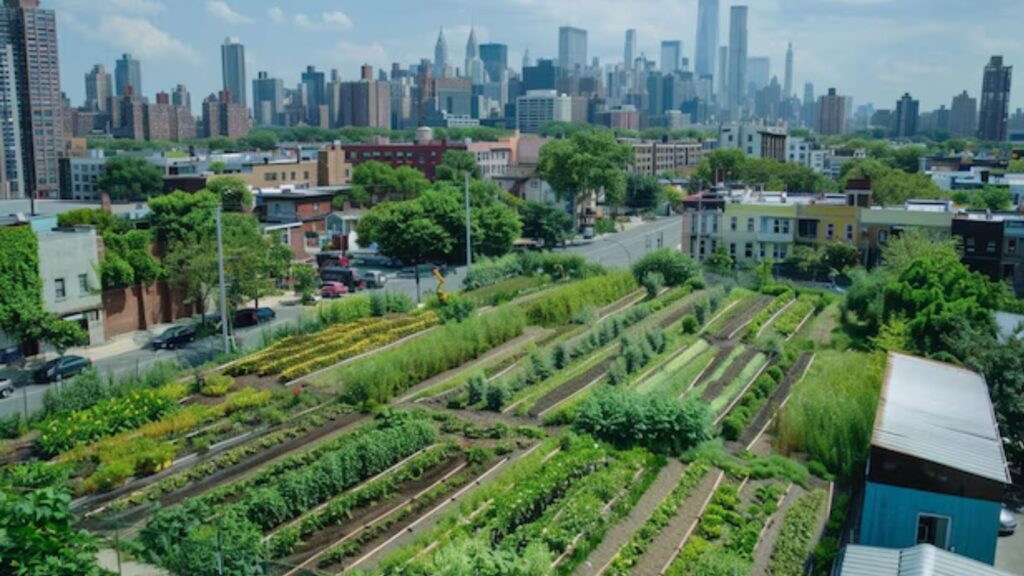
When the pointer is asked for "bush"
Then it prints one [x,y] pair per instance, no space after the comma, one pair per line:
[378,304]
[216,385]
[627,418]
[558,265]
[690,324]
[477,389]
[496,398]
[674,266]
[12,426]
[348,309]
[653,282]
[455,309]
[109,476]
[487,271]
[82,392]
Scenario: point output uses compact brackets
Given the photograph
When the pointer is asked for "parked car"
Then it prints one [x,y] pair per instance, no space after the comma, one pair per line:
[333,290]
[1007,522]
[350,277]
[174,337]
[253,316]
[6,388]
[375,279]
[64,368]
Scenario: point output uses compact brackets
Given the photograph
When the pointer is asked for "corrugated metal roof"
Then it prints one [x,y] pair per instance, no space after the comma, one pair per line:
[921,560]
[1009,325]
[940,413]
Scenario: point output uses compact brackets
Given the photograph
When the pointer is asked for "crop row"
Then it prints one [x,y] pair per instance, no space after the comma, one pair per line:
[797,535]
[297,343]
[288,495]
[788,322]
[752,402]
[559,305]
[762,317]
[660,518]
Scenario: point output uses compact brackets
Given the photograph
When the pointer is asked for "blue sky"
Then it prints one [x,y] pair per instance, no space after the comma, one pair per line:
[872,49]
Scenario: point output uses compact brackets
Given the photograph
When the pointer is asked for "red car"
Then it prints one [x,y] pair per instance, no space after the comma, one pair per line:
[333,290]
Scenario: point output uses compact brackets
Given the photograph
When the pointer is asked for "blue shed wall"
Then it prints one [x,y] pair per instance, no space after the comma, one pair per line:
[889,520]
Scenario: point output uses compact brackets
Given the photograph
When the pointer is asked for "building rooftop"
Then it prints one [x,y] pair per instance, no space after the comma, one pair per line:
[290,193]
[1009,325]
[940,413]
[921,560]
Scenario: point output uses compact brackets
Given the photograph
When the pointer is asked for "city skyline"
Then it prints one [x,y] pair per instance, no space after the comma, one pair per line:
[869,66]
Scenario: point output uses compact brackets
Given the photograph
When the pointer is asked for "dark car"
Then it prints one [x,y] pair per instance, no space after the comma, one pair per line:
[174,337]
[350,277]
[63,368]
[253,316]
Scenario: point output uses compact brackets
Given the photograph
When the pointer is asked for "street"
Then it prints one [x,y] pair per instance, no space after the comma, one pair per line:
[617,250]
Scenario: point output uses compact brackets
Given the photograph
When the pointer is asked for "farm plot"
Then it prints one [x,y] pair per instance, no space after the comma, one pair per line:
[731,323]
[662,378]
[761,402]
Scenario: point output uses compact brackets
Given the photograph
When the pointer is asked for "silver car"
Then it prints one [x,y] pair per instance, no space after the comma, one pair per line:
[6,388]
[1007,522]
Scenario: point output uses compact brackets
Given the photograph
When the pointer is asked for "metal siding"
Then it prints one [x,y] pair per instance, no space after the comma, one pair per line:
[889,520]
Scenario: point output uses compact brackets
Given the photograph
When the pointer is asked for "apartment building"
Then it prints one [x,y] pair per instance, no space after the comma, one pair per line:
[654,157]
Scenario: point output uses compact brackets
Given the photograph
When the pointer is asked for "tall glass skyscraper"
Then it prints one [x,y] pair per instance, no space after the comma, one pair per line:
[995,100]
[737,85]
[572,48]
[232,58]
[128,72]
[707,38]
[671,55]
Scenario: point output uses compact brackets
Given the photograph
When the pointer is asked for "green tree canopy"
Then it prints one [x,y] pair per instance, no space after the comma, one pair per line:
[643,192]
[550,224]
[260,140]
[891,186]
[128,179]
[455,163]
[176,217]
[233,192]
[586,163]
[674,266]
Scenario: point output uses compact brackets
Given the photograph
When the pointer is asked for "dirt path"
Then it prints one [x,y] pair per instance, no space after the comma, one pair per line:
[720,356]
[665,545]
[767,412]
[742,318]
[566,390]
[619,534]
[766,545]
[730,374]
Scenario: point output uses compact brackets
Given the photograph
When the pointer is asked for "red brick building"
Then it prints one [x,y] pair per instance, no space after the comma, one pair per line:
[424,156]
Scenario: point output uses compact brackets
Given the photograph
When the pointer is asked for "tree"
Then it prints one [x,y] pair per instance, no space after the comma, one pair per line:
[409,182]
[260,140]
[585,164]
[726,161]
[191,264]
[839,257]
[128,179]
[103,221]
[218,167]
[674,266]
[233,192]
[719,261]
[403,230]
[990,198]
[495,229]
[455,163]
[642,192]
[889,186]
[60,334]
[247,266]
[306,281]
[1015,166]
[375,177]
[180,217]
[548,224]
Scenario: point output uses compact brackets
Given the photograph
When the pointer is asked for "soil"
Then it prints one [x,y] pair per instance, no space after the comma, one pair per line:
[743,317]
[619,535]
[720,356]
[665,545]
[765,547]
[569,388]
[367,515]
[775,400]
[734,370]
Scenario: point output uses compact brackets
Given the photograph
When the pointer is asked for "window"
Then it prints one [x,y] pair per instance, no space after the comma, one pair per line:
[849,231]
[285,238]
[990,247]
[748,250]
[970,244]
[732,223]
[750,224]
[760,250]
[934,530]
[59,288]
[83,284]
[732,250]
[830,231]
[1011,245]
[316,206]
[883,236]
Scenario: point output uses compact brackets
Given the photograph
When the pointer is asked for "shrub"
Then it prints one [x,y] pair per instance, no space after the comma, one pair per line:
[378,304]
[245,399]
[653,282]
[559,265]
[674,266]
[109,476]
[477,389]
[216,385]
[627,418]
[488,272]
[12,426]
[604,226]
[690,325]
[775,373]
[455,309]
[496,397]
[560,357]
[348,309]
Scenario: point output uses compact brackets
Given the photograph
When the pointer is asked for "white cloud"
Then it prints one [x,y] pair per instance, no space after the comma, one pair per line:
[276,15]
[225,12]
[336,19]
[358,54]
[144,40]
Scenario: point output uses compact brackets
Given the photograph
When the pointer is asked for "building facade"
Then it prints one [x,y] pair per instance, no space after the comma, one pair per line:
[538,107]
[572,49]
[127,72]
[995,100]
[232,58]
[831,113]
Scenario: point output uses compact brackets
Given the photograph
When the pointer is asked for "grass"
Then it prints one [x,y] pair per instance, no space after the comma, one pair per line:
[737,384]
[658,379]
[831,412]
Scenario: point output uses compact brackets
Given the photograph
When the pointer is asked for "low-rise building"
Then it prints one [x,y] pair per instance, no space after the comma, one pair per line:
[993,244]
[69,261]
[303,212]
[538,107]
[654,157]
[755,140]
[920,560]
[425,154]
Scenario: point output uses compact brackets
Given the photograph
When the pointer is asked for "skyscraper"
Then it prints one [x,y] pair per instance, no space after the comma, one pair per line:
[313,83]
[232,58]
[527,60]
[831,113]
[99,86]
[671,55]
[904,124]
[30,33]
[572,48]
[787,89]
[495,59]
[474,66]
[629,54]
[12,169]
[707,38]
[440,55]
[723,77]
[737,85]
[267,99]
[128,72]
[995,100]
[181,98]
[963,115]
[759,72]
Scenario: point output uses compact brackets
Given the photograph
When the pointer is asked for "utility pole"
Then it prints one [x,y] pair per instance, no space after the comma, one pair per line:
[223,287]
[469,247]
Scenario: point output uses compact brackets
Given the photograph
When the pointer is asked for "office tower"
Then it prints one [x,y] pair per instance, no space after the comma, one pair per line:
[940,119]
[267,99]
[30,33]
[723,76]
[572,49]
[540,77]
[995,100]
[629,54]
[707,38]
[232,58]
[808,92]
[671,55]
[313,85]
[181,98]
[332,92]
[99,86]
[527,60]
[787,89]
[471,53]
[904,123]
[809,107]
[538,107]
[495,59]
[440,56]
[737,84]
[128,72]
[758,73]
[831,113]
[12,170]
[963,115]
[366,103]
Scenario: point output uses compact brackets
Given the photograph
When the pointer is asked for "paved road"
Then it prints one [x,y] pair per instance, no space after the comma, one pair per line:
[615,251]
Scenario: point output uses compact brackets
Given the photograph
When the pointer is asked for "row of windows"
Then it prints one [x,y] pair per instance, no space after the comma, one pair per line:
[778,251]
[60,288]
[272,176]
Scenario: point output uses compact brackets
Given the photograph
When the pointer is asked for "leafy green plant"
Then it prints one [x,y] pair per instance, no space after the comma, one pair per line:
[627,418]
[216,385]
[674,266]
[797,537]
